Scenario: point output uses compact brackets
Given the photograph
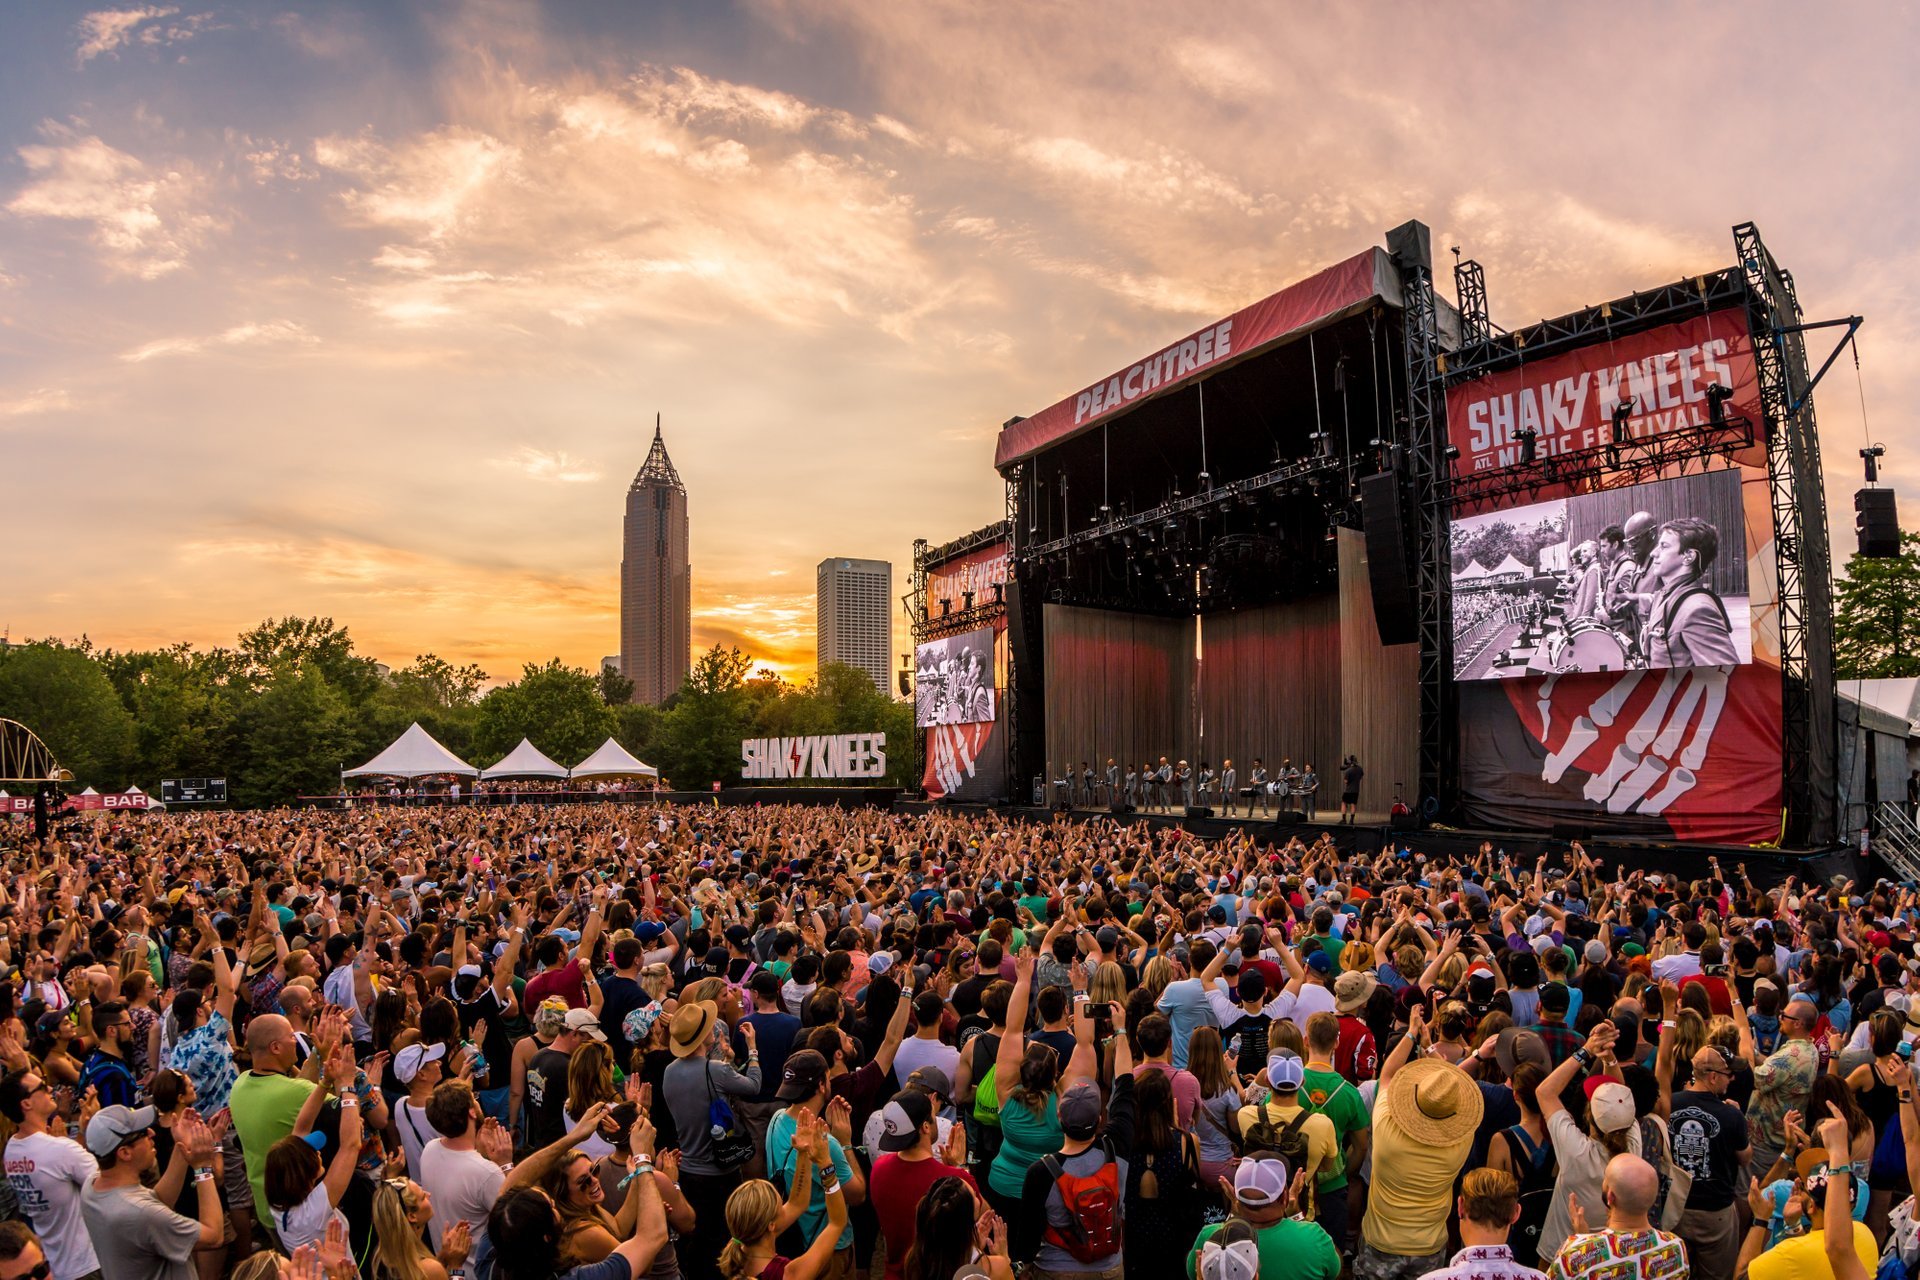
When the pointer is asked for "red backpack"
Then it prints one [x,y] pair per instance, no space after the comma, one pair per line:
[1093,1210]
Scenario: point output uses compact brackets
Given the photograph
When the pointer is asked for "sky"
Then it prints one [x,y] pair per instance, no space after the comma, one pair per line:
[365,310]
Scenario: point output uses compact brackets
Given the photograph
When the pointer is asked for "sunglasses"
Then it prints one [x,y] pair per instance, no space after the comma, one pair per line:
[41,1272]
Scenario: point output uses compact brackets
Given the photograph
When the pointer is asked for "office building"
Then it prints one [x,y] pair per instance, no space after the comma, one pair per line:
[854,604]
[656,611]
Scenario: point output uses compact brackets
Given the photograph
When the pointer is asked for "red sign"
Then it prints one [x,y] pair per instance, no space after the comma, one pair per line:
[1340,288]
[76,804]
[977,571]
[1568,400]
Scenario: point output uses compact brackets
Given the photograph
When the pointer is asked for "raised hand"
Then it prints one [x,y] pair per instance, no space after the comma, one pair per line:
[840,1121]
[494,1142]
[455,1245]
[335,1251]
[1577,1217]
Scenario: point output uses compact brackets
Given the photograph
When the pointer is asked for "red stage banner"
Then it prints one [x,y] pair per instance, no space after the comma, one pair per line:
[1687,754]
[1340,288]
[977,571]
[1568,400]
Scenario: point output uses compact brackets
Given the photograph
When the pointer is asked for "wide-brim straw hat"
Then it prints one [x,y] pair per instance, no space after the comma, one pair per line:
[1434,1102]
[692,1028]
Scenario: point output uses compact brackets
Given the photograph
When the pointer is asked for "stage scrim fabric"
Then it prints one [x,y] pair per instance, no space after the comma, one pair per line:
[1118,684]
[1379,689]
[1270,687]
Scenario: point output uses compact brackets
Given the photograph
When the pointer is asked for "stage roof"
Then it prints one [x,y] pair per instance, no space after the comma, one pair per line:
[414,754]
[1338,291]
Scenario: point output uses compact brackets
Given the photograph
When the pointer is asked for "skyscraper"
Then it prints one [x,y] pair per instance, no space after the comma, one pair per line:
[656,612]
[854,616]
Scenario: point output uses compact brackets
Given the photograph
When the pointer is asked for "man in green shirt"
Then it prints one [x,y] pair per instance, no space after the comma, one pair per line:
[1331,1094]
[1322,937]
[1289,1250]
[266,1100]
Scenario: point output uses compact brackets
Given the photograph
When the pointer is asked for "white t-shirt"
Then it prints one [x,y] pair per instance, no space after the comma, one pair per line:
[915,1053]
[595,1145]
[415,1133]
[463,1185]
[47,1174]
[306,1222]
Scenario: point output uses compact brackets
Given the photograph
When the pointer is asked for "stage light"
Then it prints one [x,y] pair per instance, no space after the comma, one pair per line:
[1621,412]
[1717,396]
[946,606]
[1529,446]
[1871,457]
[999,592]
[1452,453]
[966,602]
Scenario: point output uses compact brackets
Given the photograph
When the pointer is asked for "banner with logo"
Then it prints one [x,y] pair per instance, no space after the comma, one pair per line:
[977,572]
[78,804]
[1568,400]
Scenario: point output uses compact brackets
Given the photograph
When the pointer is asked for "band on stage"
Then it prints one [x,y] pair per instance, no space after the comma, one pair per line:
[1173,785]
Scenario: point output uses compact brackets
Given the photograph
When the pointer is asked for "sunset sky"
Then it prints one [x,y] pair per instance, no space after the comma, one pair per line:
[366,309]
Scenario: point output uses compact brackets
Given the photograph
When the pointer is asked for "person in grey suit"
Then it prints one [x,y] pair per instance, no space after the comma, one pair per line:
[1113,782]
[1229,786]
[1258,778]
[1184,777]
[1133,786]
[1163,783]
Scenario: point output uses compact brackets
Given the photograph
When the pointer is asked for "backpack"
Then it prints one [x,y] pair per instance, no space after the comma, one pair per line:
[986,1098]
[1284,1140]
[1092,1202]
[1533,1162]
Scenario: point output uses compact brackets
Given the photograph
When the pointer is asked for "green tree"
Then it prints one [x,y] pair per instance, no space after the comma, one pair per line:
[61,693]
[292,738]
[556,707]
[701,731]
[309,642]
[615,689]
[1876,615]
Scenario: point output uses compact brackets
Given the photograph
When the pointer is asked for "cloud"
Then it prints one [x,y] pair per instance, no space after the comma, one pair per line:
[251,334]
[40,400]
[106,31]
[542,464]
[145,221]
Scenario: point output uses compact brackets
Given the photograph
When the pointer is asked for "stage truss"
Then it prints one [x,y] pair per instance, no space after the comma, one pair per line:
[931,621]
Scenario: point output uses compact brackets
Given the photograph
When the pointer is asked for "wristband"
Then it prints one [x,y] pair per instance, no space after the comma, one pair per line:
[348,1100]
[830,1188]
[1582,1057]
[203,1173]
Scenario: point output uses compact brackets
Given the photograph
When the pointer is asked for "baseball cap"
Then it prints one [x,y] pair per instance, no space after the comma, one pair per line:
[1080,1111]
[805,1071]
[932,1079]
[879,962]
[1285,1071]
[407,1062]
[1610,1103]
[739,935]
[111,1127]
[901,1118]
[1107,937]
[1516,1045]
[586,1022]
[1320,962]
[1260,1182]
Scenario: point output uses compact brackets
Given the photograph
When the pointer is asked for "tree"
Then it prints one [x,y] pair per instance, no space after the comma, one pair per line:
[315,642]
[60,693]
[556,707]
[701,731]
[615,689]
[1876,615]
[292,738]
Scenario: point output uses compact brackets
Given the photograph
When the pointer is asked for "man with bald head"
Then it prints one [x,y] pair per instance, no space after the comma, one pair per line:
[1628,1246]
[266,1099]
[1710,1142]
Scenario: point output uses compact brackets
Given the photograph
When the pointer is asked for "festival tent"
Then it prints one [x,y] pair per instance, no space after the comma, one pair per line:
[524,761]
[613,761]
[89,792]
[1512,565]
[414,754]
[1473,570]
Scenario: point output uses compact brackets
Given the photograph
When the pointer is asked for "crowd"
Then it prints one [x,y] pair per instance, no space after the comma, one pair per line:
[793,1043]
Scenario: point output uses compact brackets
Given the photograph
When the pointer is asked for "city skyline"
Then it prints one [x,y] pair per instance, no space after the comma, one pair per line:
[363,311]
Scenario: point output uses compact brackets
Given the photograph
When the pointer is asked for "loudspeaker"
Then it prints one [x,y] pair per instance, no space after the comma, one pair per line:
[1290,818]
[1199,811]
[1411,245]
[1388,573]
[1403,822]
[1025,642]
[1876,523]
[1122,807]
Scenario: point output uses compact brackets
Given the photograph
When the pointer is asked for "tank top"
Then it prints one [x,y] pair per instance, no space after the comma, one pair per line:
[1880,1101]
[546,1098]
[1026,1138]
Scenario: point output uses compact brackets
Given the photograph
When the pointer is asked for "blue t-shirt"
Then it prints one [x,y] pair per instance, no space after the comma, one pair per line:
[1185,1004]
[781,1161]
[774,1034]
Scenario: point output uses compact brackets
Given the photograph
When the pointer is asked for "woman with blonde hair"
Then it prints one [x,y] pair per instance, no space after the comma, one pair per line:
[401,1210]
[756,1215]
[1156,977]
[656,980]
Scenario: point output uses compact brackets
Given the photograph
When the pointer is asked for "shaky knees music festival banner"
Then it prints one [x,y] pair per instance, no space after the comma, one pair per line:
[977,571]
[1568,400]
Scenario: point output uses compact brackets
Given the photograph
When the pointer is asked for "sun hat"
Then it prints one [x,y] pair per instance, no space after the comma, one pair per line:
[691,1027]
[1352,990]
[1434,1102]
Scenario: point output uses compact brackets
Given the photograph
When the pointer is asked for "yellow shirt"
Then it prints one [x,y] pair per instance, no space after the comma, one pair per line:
[1323,1143]
[1805,1257]
[1412,1188]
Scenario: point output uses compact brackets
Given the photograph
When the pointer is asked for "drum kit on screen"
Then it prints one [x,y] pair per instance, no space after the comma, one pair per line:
[1587,644]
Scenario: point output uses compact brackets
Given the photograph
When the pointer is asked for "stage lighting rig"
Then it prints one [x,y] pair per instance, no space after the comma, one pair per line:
[1717,396]
[1529,444]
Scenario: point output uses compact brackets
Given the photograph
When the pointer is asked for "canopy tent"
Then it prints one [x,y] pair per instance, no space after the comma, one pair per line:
[1473,570]
[89,792]
[524,761]
[613,761]
[414,754]
[1510,565]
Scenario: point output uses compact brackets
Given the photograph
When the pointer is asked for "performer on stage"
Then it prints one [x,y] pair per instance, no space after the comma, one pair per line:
[1305,788]
[1133,785]
[1086,784]
[1350,775]
[1229,787]
[1206,783]
[1162,779]
[1113,783]
[1258,777]
[1184,777]
[1284,781]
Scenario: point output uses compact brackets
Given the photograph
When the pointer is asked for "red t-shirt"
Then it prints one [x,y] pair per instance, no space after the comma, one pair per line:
[1718,998]
[567,982]
[1356,1057]
[896,1188]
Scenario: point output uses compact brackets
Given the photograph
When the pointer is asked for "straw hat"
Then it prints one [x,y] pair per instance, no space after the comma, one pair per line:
[1434,1102]
[692,1028]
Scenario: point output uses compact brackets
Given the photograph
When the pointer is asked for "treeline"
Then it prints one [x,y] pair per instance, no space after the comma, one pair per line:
[291,703]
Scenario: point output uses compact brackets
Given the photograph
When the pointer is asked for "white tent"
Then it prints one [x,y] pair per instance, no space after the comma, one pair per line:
[414,754]
[613,761]
[89,792]
[1512,565]
[1473,570]
[524,761]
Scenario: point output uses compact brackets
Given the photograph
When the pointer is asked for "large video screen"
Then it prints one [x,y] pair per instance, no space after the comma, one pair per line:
[954,680]
[1644,577]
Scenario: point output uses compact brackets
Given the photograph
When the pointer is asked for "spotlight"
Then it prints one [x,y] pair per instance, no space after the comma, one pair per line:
[1452,453]
[1529,444]
[1621,412]
[946,605]
[999,592]
[1871,457]
[1717,396]
[966,602]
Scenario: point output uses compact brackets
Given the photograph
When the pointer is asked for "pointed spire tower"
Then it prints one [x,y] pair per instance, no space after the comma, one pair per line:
[656,614]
